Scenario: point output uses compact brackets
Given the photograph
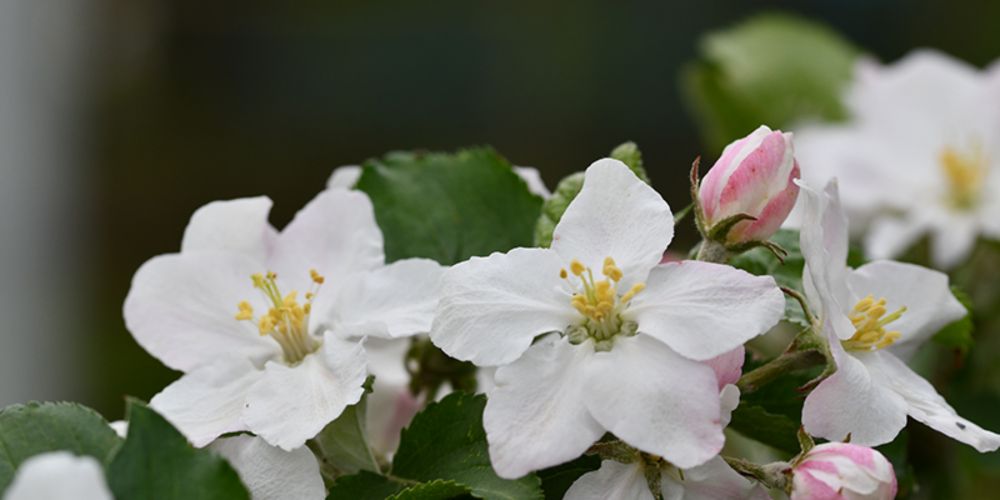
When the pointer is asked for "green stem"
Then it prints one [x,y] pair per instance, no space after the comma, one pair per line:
[777,367]
[712,251]
[773,475]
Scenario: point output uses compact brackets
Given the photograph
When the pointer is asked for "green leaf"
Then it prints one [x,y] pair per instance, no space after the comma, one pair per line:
[29,429]
[447,441]
[363,486]
[772,429]
[958,334]
[439,489]
[556,480]
[629,154]
[449,207]
[342,446]
[156,462]
[774,69]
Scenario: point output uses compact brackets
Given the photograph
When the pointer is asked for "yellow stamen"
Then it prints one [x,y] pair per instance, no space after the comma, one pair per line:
[563,274]
[598,301]
[576,267]
[965,172]
[286,320]
[869,319]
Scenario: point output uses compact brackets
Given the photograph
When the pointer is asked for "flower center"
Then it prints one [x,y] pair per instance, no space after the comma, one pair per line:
[869,318]
[965,172]
[287,320]
[600,304]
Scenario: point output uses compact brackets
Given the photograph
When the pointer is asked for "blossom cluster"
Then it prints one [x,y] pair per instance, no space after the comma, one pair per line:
[595,344]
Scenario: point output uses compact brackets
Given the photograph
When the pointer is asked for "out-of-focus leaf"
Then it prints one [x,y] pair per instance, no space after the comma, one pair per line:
[29,429]
[958,334]
[773,429]
[556,480]
[156,462]
[363,486]
[438,489]
[449,207]
[774,69]
[896,452]
[761,261]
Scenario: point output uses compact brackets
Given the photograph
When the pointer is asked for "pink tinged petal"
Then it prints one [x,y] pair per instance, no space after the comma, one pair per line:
[925,293]
[59,475]
[656,400]
[728,366]
[335,234]
[390,405]
[181,308]
[291,404]
[344,177]
[492,307]
[772,216]
[238,226]
[615,215]
[271,473]
[397,300]
[702,310]
[535,417]
[852,401]
[806,486]
[713,480]
[925,405]
[717,178]
[833,469]
[208,402]
[612,480]
[762,174]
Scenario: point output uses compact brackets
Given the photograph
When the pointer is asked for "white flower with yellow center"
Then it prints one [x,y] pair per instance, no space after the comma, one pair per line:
[592,335]
[875,317]
[268,327]
[920,155]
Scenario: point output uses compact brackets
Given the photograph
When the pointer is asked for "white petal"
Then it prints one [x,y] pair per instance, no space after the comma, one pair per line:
[291,404]
[390,405]
[535,416]
[120,427]
[209,401]
[929,303]
[729,399]
[615,215]
[335,234]
[238,226]
[59,475]
[533,178]
[713,480]
[344,177]
[952,241]
[823,240]
[181,309]
[703,310]
[613,480]
[850,402]
[926,405]
[492,307]
[891,236]
[397,300]
[271,473]
[656,400]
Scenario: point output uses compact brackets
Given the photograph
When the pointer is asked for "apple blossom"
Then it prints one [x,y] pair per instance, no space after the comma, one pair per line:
[874,316]
[321,285]
[754,176]
[832,471]
[620,354]
[270,473]
[711,480]
[59,475]
[919,156]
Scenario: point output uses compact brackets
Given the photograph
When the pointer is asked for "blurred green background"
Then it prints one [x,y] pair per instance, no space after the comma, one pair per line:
[174,104]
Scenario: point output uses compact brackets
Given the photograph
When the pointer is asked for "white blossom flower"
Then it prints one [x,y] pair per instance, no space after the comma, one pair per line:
[59,475]
[268,326]
[270,473]
[874,316]
[920,155]
[712,480]
[622,338]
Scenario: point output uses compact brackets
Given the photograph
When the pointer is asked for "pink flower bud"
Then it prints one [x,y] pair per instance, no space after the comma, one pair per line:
[843,471]
[754,176]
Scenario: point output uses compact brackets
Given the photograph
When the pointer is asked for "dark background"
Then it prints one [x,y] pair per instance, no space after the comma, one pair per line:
[197,101]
